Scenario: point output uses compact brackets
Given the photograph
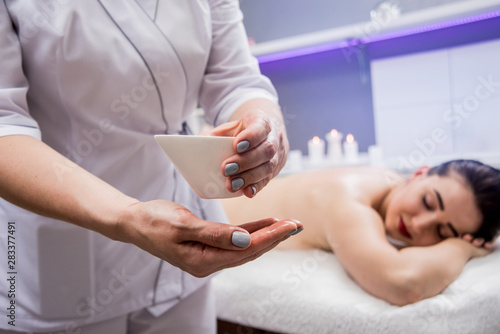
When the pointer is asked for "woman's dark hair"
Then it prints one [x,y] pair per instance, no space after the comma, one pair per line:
[484,181]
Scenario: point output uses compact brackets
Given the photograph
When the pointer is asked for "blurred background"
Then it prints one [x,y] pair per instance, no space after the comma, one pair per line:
[420,79]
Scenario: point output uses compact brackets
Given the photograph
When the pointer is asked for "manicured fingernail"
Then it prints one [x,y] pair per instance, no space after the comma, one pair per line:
[231,169]
[237,183]
[242,146]
[297,231]
[240,239]
[254,190]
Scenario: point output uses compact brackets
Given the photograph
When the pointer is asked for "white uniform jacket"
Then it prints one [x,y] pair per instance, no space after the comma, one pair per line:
[96,80]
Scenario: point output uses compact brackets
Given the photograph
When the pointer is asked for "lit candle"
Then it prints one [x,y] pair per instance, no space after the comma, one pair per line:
[351,149]
[334,139]
[316,148]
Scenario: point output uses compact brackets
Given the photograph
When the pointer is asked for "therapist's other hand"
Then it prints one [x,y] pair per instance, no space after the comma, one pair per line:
[172,233]
[261,145]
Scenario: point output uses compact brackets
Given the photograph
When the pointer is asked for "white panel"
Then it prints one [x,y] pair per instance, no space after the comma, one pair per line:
[412,80]
[478,130]
[475,71]
[476,97]
[457,90]
[417,131]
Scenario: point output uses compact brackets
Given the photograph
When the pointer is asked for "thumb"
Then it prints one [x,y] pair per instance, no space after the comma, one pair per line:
[229,129]
[223,236]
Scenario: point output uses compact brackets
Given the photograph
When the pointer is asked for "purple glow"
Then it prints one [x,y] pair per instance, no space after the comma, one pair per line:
[431,27]
[401,33]
[302,51]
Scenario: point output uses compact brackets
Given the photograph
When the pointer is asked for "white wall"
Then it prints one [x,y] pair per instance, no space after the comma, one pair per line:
[438,104]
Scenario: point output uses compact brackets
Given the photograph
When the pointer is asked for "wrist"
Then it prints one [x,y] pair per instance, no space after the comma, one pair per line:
[124,221]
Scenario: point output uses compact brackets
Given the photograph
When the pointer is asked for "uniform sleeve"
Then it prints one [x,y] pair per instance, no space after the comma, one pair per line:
[14,115]
[233,75]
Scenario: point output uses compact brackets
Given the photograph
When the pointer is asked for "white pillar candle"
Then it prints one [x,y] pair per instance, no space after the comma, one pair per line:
[316,149]
[351,149]
[334,139]
[375,155]
[294,161]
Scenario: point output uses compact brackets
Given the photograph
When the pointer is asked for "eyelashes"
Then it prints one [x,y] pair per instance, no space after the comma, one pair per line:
[438,232]
[424,202]
[438,227]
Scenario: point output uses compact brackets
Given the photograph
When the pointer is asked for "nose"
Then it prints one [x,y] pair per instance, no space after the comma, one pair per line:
[423,223]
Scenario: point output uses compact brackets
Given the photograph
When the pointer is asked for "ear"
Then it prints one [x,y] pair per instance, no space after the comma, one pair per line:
[419,172]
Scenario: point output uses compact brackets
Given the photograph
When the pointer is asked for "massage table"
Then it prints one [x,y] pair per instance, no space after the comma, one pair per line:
[308,291]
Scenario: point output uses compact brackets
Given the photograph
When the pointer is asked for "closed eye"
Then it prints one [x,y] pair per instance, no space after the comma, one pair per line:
[426,205]
[446,228]
[438,231]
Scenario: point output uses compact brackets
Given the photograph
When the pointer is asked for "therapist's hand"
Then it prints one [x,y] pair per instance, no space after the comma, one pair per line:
[261,145]
[172,233]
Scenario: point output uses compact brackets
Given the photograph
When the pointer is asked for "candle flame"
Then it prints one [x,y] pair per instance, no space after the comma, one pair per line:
[349,138]
[316,140]
[334,133]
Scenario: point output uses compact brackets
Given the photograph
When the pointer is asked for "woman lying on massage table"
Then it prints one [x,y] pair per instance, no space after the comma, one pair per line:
[445,216]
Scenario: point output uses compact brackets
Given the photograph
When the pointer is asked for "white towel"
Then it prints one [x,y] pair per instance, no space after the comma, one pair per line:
[309,292]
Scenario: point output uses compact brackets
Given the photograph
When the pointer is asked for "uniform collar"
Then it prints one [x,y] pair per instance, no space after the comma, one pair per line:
[157,52]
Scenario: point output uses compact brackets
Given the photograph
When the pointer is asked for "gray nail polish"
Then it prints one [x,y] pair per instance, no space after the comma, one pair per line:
[297,231]
[242,146]
[237,183]
[231,169]
[240,239]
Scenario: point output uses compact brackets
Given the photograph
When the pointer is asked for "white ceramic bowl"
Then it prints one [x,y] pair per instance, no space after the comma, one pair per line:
[198,159]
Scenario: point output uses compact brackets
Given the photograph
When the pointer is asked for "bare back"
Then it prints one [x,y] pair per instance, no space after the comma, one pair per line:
[310,197]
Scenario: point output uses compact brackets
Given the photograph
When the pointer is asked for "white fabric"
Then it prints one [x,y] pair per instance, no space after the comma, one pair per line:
[192,315]
[309,292]
[96,80]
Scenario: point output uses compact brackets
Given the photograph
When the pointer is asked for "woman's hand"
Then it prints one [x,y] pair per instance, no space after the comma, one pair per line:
[480,247]
[262,147]
[172,233]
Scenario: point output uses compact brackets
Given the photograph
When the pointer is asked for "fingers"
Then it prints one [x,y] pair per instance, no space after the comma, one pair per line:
[230,237]
[477,242]
[253,256]
[259,224]
[204,260]
[264,229]
[488,245]
[221,236]
[255,129]
[229,129]
[258,159]
[257,177]
[467,237]
[207,268]
[264,248]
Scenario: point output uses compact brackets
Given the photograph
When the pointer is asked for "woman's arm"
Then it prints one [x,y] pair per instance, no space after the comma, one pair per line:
[398,276]
[39,179]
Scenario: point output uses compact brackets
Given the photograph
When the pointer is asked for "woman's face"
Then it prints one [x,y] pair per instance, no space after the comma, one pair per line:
[429,209]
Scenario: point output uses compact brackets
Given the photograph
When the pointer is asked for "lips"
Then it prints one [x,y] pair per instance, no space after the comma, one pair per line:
[402,229]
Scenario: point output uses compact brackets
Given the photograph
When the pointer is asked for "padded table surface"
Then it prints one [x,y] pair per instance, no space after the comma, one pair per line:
[308,291]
